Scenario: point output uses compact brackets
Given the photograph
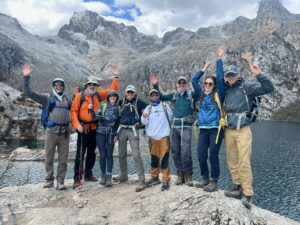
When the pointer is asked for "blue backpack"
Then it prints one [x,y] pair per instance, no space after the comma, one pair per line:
[47,109]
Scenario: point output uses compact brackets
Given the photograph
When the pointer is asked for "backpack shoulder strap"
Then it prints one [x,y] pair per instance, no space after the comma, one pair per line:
[166,113]
[82,99]
[98,96]
[103,108]
[246,96]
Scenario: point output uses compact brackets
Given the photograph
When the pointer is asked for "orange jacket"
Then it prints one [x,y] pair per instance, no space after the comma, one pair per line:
[83,112]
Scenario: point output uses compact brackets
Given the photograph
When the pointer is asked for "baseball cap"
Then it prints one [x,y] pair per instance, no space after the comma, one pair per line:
[231,70]
[130,87]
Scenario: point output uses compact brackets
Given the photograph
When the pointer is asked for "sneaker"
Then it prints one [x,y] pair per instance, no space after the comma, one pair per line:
[108,181]
[180,179]
[141,186]
[246,201]
[188,180]
[61,186]
[90,179]
[211,187]
[120,178]
[202,183]
[103,179]
[152,181]
[49,184]
[235,192]
[165,186]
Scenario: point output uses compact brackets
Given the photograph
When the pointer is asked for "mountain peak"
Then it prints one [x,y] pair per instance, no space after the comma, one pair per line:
[272,9]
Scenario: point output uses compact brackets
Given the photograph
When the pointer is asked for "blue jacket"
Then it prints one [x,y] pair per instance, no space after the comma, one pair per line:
[209,113]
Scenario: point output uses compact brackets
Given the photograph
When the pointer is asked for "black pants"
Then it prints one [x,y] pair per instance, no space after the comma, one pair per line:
[85,143]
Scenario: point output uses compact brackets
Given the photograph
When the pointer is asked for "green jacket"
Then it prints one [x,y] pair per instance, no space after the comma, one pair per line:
[182,105]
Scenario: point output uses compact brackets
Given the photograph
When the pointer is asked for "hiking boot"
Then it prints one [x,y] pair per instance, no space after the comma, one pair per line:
[246,201]
[120,178]
[152,181]
[49,184]
[61,186]
[180,179]
[140,186]
[165,186]
[90,179]
[108,181]
[76,184]
[188,179]
[211,187]
[103,179]
[235,192]
[202,183]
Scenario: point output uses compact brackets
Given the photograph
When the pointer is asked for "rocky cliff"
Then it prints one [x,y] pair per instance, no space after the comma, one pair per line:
[94,204]
[90,45]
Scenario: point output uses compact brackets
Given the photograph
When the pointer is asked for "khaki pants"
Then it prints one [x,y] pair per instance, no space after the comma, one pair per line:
[160,153]
[238,151]
[61,143]
[134,141]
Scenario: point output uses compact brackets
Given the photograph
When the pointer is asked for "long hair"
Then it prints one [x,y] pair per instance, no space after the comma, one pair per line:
[202,95]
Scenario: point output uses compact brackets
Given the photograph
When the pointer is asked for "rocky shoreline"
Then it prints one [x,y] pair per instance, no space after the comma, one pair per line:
[95,204]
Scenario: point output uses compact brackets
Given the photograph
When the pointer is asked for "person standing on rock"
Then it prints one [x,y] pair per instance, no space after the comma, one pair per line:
[157,118]
[108,122]
[238,137]
[211,122]
[57,108]
[84,120]
[131,110]
[181,133]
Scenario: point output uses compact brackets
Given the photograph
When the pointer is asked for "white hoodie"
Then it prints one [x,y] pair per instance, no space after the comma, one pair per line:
[157,125]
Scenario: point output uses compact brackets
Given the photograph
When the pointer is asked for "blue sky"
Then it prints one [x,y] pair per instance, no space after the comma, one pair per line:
[152,17]
[120,11]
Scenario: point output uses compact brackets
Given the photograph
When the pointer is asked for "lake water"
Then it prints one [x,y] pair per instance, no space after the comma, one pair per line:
[275,164]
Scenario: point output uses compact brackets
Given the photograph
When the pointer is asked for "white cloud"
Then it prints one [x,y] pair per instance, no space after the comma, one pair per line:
[46,17]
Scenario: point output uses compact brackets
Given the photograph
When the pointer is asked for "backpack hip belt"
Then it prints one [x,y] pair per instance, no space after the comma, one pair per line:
[239,115]
[127,127]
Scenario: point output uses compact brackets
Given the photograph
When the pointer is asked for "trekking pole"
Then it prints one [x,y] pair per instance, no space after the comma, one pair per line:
[1,220]
[13,215]
[80,181]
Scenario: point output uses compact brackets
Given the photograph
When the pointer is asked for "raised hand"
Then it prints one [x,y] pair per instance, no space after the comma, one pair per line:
[220,51]
[115,71]
[153,79]
[254,69]
[206,64]
[26,70]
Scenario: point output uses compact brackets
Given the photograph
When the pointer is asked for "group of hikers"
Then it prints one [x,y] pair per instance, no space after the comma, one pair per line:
[101,119]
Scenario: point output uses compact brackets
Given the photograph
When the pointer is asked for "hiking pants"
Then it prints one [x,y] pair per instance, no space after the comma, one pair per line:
[86,142]
[105,144]
[181,141]
[238,152]
[207,140]
[126,134]
[61,143]
[160,153]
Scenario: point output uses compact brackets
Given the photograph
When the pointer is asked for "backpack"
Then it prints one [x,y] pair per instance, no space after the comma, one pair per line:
[46,110]
[104,107]
[253,112]
[165,111]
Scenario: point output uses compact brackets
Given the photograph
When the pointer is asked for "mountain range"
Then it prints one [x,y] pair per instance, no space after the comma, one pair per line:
[91,45]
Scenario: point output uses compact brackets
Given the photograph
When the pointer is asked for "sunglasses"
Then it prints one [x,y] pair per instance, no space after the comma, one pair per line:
[231,74]
[92,84]
[130,92]
[58,84]
[210,84]
[181,83]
